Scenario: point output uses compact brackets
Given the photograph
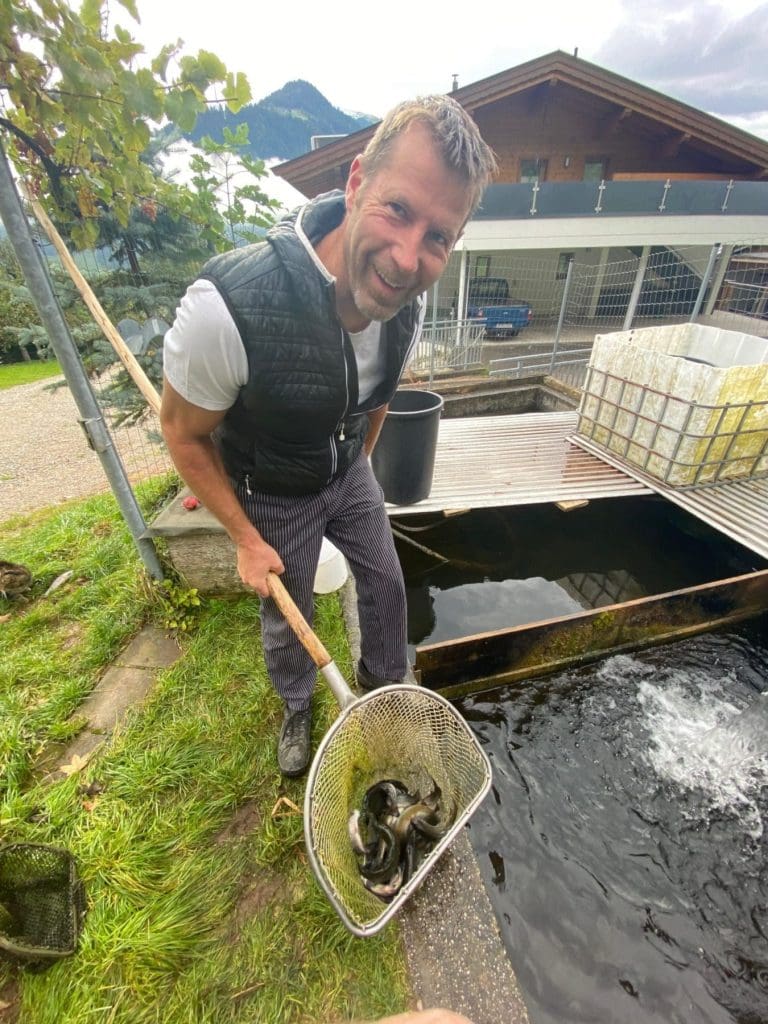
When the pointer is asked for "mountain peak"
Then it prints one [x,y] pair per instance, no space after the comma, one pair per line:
[283,123]
[298,93]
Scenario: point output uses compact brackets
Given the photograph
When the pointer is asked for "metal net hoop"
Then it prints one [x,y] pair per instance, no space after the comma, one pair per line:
[405,733]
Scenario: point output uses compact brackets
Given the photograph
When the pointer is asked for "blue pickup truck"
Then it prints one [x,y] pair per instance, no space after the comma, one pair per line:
[488,300]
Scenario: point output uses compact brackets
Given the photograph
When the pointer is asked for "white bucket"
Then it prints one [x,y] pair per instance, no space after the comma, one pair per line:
[331,569]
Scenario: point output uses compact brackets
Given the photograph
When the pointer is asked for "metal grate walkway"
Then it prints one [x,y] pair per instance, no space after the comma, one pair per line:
[524,459]
[737,508]
[534,458]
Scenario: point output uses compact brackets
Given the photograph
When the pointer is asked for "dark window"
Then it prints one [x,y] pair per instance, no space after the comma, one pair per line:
[488,289]
[562,264]
[482,266]
[533,169]
[594,169]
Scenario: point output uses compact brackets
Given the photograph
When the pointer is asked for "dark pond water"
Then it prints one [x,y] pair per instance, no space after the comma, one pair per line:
[512,566]
[624,842]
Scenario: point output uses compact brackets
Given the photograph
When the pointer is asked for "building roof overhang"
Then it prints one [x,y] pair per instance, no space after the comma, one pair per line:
[681,123]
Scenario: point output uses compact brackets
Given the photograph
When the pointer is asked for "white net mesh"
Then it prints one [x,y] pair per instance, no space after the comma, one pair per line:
[402,733]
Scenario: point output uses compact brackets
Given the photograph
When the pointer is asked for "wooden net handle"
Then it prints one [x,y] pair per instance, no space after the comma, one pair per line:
[297,622]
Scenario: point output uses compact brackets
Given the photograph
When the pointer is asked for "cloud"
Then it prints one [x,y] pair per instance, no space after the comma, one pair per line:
[755,124]
[700,53]
[410,50]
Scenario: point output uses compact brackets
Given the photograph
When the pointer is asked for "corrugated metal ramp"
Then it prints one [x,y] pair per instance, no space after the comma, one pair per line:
[523,459]
[737,508]
[533,458]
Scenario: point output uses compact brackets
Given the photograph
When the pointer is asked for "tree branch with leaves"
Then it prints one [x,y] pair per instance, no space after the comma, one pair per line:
[78,101]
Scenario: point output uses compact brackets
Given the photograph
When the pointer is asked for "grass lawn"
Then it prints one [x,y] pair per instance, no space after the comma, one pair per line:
[12,374]
[201,904]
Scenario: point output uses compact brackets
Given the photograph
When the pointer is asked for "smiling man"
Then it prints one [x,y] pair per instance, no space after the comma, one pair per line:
[278,370]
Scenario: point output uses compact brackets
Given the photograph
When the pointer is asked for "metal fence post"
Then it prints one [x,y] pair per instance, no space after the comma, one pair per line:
[39,283]
[434,304]
[718,277]
[433,339]
[461,301]
[561,318]
[634,298]
[714,253]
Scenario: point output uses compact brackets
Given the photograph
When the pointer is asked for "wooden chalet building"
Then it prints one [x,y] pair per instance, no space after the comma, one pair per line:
[597,170]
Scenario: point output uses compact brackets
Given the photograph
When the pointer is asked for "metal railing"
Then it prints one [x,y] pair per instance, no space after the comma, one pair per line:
[569,366]
[671,197]
[448,345]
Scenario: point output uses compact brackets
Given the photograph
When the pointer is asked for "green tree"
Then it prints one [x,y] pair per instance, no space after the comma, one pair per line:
[17,312]
[20,329]
[77,107]
[80,106]
[152,228]
[217,168]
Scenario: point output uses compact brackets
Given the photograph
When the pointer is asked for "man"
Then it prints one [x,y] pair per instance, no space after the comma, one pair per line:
[288,351]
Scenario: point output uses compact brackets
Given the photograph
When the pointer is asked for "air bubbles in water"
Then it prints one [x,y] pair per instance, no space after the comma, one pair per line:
[701,741]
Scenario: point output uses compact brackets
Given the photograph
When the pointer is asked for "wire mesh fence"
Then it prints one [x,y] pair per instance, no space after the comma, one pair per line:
[570,297]
[744,289]
[138,289]
[576,294]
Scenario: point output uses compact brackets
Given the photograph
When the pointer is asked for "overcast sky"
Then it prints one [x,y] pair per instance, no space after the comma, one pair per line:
[709,54]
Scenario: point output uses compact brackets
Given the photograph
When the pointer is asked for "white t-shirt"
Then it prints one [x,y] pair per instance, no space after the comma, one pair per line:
[205,362]
[203,356]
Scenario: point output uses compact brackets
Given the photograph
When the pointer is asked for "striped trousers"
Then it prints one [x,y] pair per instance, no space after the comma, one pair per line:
[350,513]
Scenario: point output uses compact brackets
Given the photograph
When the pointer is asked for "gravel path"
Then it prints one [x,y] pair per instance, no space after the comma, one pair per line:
[44,456]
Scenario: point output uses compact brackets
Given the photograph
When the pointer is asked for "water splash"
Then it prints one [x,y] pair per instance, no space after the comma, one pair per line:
[638,786]
[703,742]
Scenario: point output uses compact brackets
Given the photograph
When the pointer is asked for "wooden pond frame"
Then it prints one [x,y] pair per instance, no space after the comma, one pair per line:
[485,661]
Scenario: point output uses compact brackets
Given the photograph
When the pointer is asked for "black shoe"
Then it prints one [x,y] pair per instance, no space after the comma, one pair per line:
[294,746]
[367,681]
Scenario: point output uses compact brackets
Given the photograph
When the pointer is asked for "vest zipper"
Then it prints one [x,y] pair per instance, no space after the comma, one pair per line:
[340,425]
[248,485]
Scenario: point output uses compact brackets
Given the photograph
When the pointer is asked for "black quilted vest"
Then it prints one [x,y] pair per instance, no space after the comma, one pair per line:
[296,424]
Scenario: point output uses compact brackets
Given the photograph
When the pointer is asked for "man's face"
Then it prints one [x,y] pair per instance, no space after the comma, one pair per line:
[403,220]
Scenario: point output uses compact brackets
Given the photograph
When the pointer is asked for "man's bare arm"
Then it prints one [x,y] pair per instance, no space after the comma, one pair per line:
[187,431]
[436,1016]
[375,423]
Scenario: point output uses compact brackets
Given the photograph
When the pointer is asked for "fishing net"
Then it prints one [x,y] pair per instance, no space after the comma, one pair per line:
[399,732]
[41,902]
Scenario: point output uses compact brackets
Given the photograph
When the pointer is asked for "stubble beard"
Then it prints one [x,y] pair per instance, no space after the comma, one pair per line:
[370,309]
[368,306]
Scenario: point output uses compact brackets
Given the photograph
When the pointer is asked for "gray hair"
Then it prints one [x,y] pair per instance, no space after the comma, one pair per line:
[454,132]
